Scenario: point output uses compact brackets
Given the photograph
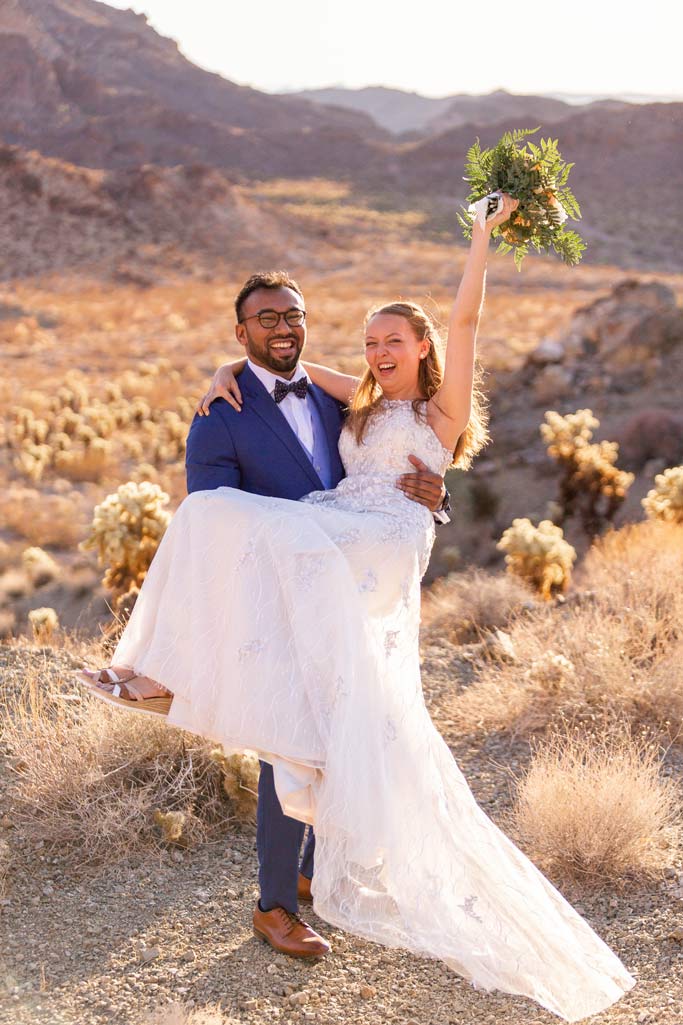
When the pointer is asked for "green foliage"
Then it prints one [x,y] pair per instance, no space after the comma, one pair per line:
[537,177]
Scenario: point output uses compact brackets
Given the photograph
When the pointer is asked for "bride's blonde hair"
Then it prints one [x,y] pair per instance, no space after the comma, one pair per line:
[368,394]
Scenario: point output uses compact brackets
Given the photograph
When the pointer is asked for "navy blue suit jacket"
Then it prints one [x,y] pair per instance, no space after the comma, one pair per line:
[256,450]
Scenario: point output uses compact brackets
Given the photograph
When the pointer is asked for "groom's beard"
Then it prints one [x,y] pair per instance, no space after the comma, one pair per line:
[279,361]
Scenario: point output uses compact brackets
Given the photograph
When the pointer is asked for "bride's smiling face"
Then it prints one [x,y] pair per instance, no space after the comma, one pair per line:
[393,353]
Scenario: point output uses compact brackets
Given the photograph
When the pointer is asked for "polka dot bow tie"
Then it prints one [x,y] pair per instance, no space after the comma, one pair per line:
[298,388]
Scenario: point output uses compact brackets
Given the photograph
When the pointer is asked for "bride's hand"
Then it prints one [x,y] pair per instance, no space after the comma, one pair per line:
[509,204]
[223,386]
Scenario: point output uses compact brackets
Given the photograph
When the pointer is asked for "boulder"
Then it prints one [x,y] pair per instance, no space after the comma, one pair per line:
[551,383]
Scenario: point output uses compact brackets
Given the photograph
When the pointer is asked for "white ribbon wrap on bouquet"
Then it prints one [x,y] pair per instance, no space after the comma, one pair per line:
[480,208]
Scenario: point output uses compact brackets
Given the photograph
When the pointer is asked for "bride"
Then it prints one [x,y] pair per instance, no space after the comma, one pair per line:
[291,629]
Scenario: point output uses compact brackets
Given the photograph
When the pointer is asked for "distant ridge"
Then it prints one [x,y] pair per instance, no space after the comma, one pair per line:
[407,112]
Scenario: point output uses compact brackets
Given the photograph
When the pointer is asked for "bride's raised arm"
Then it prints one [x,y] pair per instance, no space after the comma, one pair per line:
[450,408]
[224,384]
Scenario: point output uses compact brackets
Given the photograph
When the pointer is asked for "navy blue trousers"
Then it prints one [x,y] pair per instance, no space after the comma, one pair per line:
[278,843]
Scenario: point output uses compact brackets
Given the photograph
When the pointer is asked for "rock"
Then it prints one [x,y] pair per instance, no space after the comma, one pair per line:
[653,467]
[631,324]
[549,350]
[298,999]
[187,956]
[676,934]
[499,645]
[551,383]
[367,992]
[148,954]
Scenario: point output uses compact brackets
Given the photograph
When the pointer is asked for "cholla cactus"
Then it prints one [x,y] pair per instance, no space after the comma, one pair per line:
[125,532]
[665,500]
[44,622]
[81,436]
[40,567]
[240,781]
[591,484]
[539,555]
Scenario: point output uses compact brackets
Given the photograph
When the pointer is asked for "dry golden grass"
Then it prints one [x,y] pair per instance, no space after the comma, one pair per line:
[597,809]
[614,651]
[180,1014]
[88,778]
[461,607]
[43,517]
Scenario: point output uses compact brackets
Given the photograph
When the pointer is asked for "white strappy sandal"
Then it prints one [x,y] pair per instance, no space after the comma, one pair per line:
[98,680]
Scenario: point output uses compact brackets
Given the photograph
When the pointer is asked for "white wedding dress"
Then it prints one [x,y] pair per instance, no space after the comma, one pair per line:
[291,629]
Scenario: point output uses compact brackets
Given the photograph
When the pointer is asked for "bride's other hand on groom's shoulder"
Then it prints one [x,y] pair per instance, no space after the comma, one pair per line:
[223,386]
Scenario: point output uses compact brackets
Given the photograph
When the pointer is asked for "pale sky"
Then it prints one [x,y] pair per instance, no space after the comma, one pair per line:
[435,48]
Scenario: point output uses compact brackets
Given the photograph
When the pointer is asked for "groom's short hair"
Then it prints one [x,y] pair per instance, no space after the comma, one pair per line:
[264,279]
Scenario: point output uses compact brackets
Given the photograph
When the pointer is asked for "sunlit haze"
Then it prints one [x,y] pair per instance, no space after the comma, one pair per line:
[585,48]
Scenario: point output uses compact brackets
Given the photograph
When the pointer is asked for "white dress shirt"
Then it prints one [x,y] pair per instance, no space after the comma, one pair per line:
[296,411]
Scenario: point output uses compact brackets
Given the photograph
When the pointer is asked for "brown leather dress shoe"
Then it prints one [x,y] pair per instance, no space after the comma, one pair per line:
[303,888]
[288,933]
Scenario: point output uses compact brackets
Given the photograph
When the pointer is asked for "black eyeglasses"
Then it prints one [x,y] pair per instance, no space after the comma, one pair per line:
[271,318]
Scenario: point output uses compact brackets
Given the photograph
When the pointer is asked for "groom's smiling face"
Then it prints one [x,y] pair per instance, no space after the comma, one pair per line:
[276,348]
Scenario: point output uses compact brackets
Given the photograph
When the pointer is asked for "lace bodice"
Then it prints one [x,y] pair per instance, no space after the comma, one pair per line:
[393,433]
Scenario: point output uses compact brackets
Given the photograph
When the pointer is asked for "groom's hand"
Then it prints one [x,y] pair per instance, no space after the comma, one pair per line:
[424,487]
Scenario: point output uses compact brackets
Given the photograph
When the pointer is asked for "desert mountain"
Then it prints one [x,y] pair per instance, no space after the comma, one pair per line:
[129,222]
[99,87]
[400,111]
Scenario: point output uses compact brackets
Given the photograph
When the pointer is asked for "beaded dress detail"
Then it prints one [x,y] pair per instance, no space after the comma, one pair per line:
[291,629]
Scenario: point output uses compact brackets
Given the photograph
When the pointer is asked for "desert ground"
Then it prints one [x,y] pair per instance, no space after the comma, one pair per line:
[106,917]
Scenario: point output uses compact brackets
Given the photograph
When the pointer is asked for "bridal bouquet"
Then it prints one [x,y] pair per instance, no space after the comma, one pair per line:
[537,177]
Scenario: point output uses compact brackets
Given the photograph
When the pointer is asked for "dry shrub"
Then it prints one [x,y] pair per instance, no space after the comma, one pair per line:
[462,606]
[240,781]
[613,651]
[42,518]
[88,778]
[598,809]
[14,583]
[8,621]
[638,559]
[180,1014]
[5,556]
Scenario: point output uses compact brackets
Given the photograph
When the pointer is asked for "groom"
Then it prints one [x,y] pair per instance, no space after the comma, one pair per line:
[282,443]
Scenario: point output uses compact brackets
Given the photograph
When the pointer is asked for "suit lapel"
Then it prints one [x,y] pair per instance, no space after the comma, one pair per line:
[330,418]
[265,407]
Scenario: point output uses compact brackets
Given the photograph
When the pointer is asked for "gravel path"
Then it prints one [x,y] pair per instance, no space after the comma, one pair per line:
[79,949]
